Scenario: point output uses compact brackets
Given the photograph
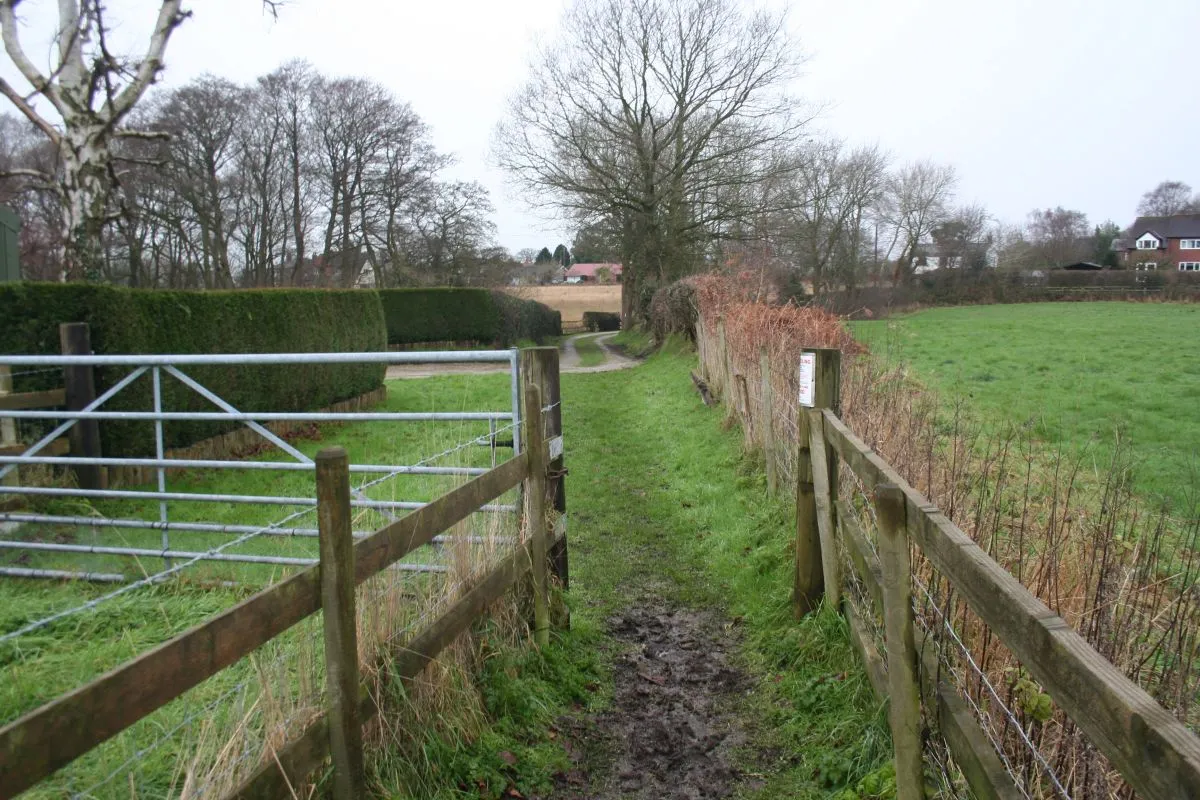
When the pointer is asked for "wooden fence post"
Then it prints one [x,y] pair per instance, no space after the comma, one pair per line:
[723,367]
[767,422]
[535,511]
[341,631]
[550,383]
[80,384]
[903,688]
[8,427]
[820,381]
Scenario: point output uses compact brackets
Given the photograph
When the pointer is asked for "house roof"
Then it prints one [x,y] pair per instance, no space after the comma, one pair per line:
[590,270]
[1179,226]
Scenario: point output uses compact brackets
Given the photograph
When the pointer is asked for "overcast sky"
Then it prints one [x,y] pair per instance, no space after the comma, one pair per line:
[1081,103]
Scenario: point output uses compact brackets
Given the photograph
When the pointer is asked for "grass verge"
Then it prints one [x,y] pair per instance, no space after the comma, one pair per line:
[591,354]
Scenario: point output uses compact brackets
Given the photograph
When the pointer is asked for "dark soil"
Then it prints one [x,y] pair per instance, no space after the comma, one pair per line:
[672,731]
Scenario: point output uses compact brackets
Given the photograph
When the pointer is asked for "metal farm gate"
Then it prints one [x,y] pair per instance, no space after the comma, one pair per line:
[225,540]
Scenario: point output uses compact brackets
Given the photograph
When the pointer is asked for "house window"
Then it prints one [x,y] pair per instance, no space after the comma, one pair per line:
[1147,243]
[1189,244]
[1146,266]
[1189,266]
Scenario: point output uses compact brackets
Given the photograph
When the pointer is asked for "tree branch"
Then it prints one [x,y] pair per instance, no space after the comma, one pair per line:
[29,111]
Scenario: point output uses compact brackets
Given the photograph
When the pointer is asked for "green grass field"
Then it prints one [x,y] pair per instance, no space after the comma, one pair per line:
[1079,374]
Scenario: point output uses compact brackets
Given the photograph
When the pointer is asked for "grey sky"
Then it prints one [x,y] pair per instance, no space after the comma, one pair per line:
[1079,103]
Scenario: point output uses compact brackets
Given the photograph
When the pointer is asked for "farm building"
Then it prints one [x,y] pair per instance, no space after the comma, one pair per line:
[593,273]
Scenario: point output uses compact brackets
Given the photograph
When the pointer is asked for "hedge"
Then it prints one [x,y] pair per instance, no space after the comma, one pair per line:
[439,315]
[525,319]
[151,321]
[601,321]
[416,316]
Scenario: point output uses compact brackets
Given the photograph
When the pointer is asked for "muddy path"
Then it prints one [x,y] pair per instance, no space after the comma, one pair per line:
[672,730]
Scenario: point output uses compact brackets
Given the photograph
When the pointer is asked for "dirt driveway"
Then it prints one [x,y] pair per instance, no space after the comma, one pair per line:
[569,362]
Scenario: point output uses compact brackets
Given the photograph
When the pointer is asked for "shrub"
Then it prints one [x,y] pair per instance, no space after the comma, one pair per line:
[440,315]
[601,321]
[673,310]
[135,321]
[524,319]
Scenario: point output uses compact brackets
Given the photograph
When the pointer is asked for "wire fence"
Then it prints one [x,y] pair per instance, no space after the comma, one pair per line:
[1117,573]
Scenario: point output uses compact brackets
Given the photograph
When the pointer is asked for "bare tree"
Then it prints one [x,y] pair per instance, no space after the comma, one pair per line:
[665,111]
[92,90]
[826,204]
[963,238]
[915,199]
[1059,236]
[1167,199]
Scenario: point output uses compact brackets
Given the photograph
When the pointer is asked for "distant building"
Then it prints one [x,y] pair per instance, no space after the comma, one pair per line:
[1154,243]
[593,273]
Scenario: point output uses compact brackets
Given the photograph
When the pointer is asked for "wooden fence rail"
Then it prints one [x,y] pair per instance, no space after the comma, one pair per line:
[1155,753]
[51,736]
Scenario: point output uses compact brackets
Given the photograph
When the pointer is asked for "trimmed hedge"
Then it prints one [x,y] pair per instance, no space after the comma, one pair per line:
[525,319]
[150,321]
[601,321]
[442,314]
[416,316]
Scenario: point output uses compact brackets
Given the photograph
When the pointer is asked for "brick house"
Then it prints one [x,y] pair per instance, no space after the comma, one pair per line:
[1154,243]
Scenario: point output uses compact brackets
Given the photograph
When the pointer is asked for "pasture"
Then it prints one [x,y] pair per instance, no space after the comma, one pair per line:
[572,300]
[1081,376]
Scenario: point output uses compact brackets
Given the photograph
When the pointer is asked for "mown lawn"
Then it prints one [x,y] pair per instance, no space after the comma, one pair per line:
[1079,374]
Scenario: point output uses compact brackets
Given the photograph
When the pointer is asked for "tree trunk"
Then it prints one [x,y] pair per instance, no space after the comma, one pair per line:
[83,152]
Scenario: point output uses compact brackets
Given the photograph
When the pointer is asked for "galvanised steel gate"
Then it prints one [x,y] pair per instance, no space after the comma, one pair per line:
[158,368]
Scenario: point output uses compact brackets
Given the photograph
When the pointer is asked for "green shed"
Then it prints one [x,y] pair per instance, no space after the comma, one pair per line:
[10,228]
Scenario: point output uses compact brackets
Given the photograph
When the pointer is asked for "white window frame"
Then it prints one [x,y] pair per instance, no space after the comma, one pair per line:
[1148,243]
[1146,266]
[1189,266]
[1189,244]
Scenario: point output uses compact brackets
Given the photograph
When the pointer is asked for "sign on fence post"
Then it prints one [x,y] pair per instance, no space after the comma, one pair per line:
[341,631]
[823,370]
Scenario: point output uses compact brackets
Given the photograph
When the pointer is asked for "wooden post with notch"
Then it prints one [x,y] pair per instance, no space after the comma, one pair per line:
[550,383]
[820,387]
[535,511]
[767,422]
[336,540]
[80,384]
[903,687]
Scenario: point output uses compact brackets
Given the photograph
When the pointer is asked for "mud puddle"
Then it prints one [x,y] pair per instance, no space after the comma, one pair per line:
[671,731]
